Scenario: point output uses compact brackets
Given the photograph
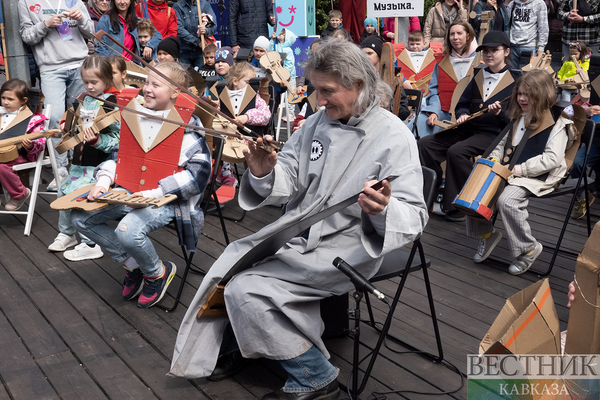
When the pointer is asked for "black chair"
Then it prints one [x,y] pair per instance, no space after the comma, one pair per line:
[211,190]
[587,137]
[415,98]
[400,263]
[209,193]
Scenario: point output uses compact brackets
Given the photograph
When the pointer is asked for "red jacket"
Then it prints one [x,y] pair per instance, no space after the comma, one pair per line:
[162,16]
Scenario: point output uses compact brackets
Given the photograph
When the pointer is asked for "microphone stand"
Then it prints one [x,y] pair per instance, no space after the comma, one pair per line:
[355,334]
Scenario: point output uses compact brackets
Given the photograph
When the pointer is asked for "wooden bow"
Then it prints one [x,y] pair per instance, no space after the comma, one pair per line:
[206,105]
[447,125]
[272,145]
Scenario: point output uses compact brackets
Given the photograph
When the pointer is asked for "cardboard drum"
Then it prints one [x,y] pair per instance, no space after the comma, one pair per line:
[485,184]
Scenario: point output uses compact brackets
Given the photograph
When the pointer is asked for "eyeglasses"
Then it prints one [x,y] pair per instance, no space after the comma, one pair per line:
[491,51]
[102,1]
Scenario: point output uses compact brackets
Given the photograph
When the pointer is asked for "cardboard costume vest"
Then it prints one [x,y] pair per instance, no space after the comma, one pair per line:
[18,126]
[137,169]
[408,69]
[534,146]
[447,81]
[472,99]
[221,92]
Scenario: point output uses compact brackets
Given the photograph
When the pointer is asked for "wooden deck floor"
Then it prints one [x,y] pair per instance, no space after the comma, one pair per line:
[66,333]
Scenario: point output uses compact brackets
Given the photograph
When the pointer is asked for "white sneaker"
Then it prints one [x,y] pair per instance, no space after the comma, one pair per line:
[524,261]
[62,242]
[15,204]
[486,246]
[83,252]
[62,175]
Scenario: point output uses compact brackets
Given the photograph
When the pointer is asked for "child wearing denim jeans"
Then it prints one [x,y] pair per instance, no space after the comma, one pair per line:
[96,73]
[145,169]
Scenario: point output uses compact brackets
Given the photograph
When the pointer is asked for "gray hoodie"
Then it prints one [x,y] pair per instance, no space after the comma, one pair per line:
[529,23]
[49,50]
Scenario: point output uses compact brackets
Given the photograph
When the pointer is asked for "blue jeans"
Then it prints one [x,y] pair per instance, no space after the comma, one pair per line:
[193,58]
[58,86]
[308,372]
[593,159]
[515,53]
[130,238]
[66,226]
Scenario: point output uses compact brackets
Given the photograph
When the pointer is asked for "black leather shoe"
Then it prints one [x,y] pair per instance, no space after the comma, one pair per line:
[227,366]
[455,216]
[329,392]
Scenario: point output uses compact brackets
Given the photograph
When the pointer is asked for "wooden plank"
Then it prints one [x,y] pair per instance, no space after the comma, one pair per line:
[21,376]
[69,377]
[147,355]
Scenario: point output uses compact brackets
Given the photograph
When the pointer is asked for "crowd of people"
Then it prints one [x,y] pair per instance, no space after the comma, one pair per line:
[335,151]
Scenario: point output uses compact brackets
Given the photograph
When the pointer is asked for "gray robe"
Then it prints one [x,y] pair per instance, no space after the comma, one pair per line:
[274,306]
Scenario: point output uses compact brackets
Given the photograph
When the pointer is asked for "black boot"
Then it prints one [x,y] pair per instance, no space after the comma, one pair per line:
[227,366]
[329,392]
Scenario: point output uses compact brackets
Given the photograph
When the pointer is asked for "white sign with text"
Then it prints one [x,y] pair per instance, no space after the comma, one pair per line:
[395,8]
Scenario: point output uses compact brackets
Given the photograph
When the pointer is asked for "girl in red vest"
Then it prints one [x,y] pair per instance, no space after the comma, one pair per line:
[457,63]
[154,159]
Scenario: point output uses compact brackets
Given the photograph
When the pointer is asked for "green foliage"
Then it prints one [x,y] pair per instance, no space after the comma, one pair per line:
[322,8]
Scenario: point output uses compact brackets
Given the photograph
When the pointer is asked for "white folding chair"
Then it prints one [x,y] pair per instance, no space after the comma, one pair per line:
[283,108]
[37,165]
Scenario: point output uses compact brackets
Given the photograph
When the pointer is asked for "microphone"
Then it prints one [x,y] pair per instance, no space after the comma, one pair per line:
[359,281]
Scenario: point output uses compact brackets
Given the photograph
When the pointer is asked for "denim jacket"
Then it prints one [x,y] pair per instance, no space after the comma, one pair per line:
[107,47]
[187,23]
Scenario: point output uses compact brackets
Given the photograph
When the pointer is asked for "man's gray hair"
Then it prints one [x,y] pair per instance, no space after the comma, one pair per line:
[349,65]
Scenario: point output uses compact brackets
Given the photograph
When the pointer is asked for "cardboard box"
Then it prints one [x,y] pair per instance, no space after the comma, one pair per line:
[583,332]
[527,324]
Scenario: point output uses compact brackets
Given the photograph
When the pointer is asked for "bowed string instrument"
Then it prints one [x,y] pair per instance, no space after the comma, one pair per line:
[201,103]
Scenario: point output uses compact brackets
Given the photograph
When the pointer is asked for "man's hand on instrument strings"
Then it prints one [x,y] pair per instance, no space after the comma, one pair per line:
[259,161]
[495,108]
[373,201]
[95,192]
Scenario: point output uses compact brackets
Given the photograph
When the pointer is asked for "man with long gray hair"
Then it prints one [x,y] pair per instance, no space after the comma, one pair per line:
[273,307]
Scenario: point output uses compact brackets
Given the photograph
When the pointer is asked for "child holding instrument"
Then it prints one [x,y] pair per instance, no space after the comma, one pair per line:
[457,146]
[138,158]
[539,167]
[567,72]
[14,114]
[250,110]
[457,63]
[96,73]
[415,61]
[261,47]
[283,44]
